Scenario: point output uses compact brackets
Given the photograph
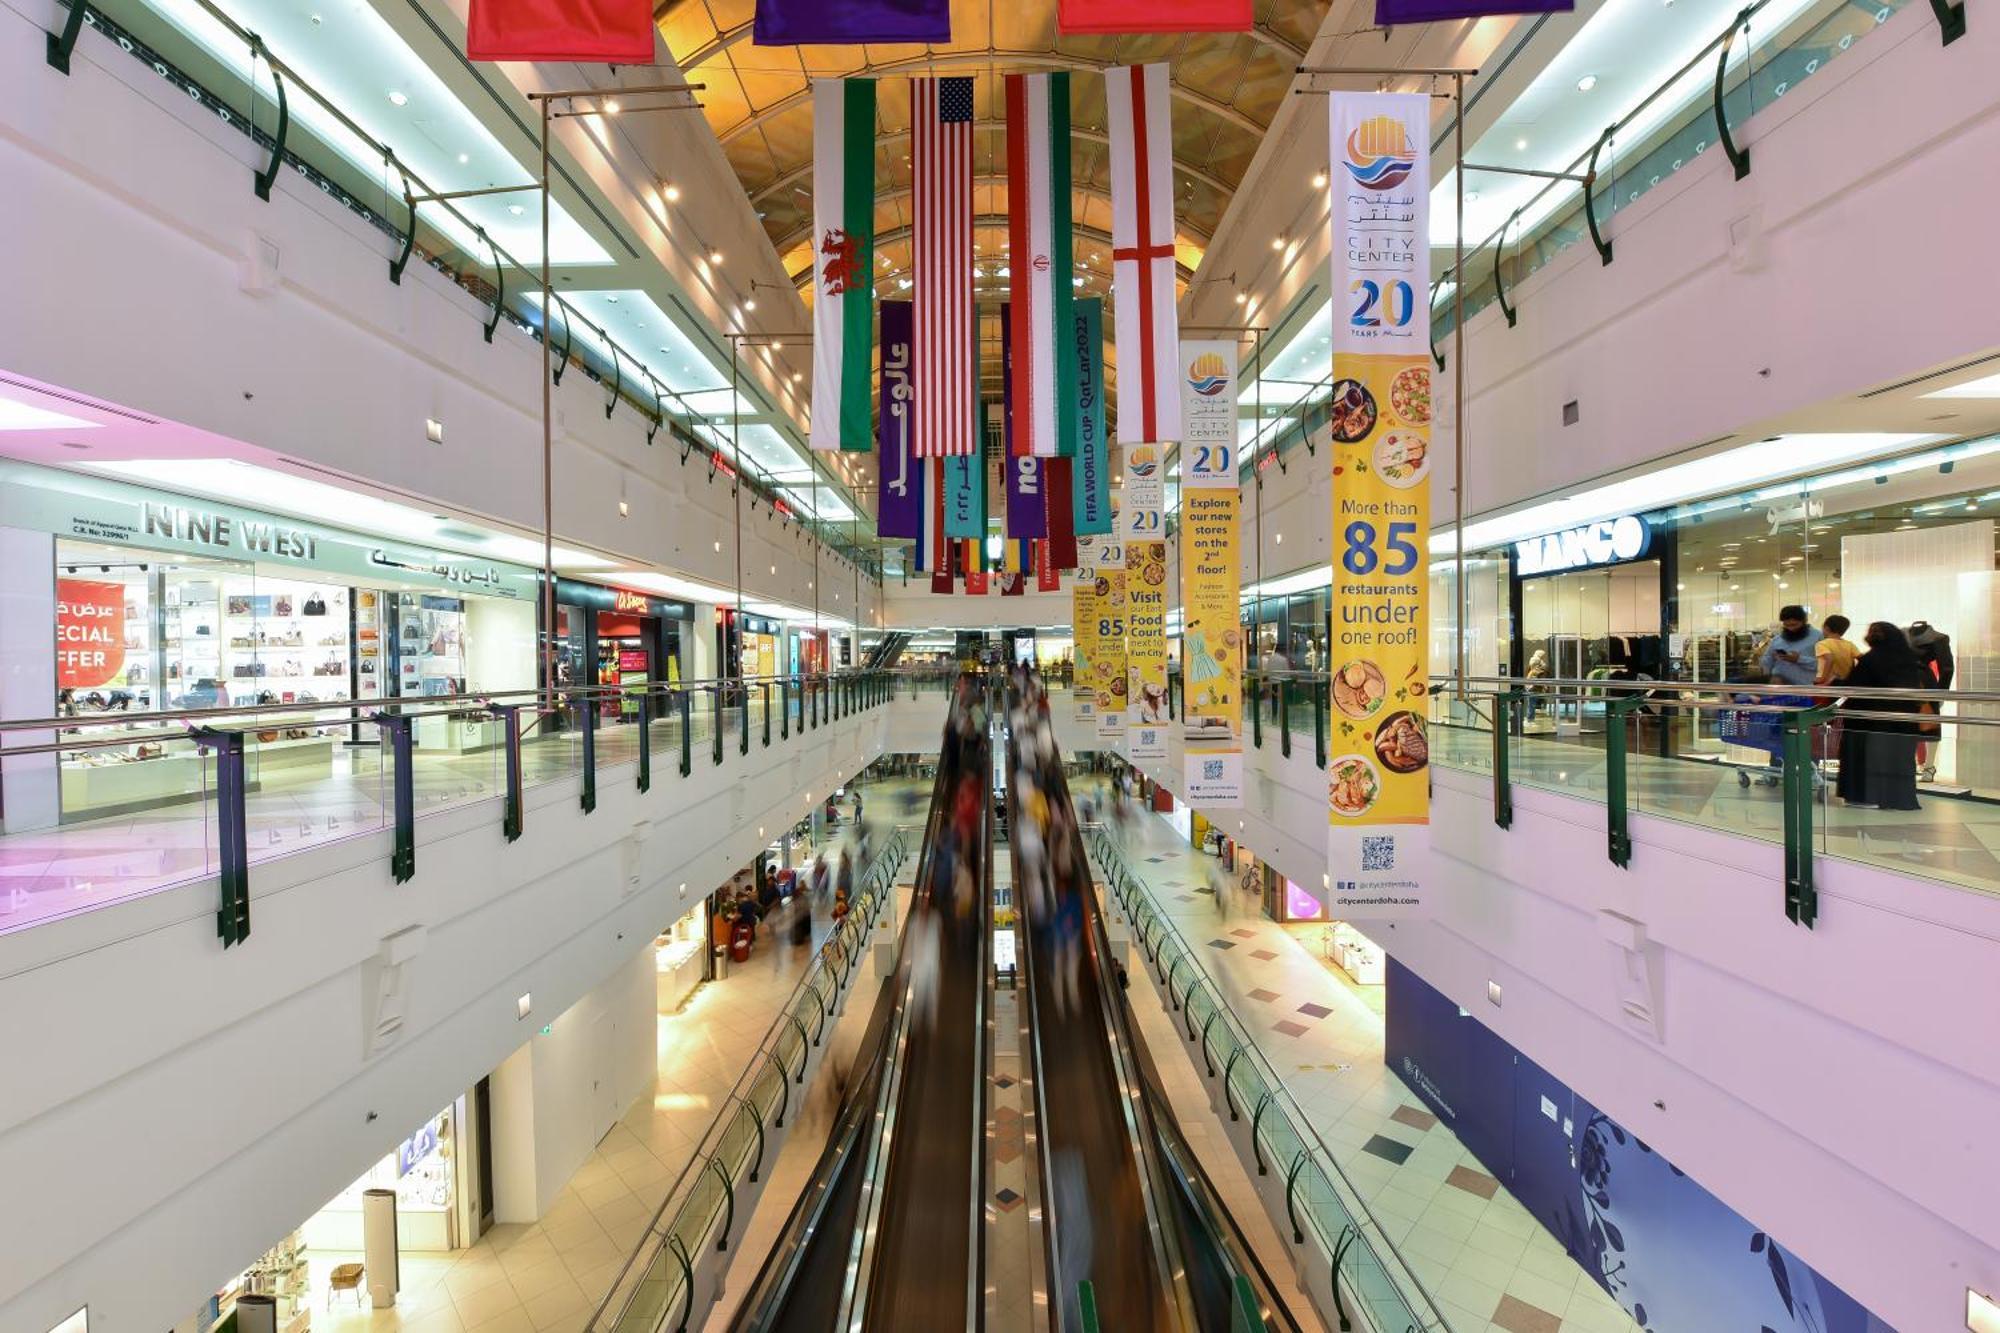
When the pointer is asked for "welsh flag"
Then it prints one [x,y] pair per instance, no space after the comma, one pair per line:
[843,263]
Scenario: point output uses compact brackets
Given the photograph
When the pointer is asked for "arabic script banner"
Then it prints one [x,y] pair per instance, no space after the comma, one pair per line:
[900,510]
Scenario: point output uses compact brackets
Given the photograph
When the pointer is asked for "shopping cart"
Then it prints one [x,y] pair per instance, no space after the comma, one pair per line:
[1759,729]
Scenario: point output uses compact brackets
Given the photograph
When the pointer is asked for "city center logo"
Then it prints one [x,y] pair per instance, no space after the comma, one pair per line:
[1208,376]
[1379,155]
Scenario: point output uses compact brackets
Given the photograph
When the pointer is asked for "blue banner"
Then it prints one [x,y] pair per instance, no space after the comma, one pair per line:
[965,496]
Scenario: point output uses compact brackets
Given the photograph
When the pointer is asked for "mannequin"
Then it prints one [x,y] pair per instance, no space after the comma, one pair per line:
[1934,651]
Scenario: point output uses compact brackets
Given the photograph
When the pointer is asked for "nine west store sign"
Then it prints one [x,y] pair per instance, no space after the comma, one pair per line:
[1611,541]
[96,509]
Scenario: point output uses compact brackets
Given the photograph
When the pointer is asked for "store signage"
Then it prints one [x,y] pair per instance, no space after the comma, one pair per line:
[228,532]
[628,601]
[1610,541]
[415,1148]
[457,575]
[90,633]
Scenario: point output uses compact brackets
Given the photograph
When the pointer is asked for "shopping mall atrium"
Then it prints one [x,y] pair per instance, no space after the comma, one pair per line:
[1034,666]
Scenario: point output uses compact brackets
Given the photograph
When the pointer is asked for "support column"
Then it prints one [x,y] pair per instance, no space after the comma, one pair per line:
[30,789]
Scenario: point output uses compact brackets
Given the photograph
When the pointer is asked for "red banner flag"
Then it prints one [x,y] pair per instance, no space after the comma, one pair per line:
[610,32]
[975,582]
[1047,577]
[945,567]
[1083,16]
[1013,583]
[1057,476]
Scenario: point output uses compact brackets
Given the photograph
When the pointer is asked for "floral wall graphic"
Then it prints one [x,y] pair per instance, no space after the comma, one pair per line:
[1675,1257]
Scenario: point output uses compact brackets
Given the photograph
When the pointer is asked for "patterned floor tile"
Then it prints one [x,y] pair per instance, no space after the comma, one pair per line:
[1222,944]
[1388,1149]
[1291,1029]
[1007,1199]
[1473,1182]
[1517,1316]
[1311,1010]
[1264,995]
[1244,934]
[1414,1118]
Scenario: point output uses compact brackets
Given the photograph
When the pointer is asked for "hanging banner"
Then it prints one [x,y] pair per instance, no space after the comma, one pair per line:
[843,260]
[965,495]
[1208,413]
[1378,788]
[1109,679]
[1091,492]
[1047,577]
[1144,492]
[1057,478]
[1212,639]
[1145,616]
[1084,611]
[900,512]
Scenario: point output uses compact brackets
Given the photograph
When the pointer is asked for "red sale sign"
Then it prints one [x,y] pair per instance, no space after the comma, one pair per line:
[90,633]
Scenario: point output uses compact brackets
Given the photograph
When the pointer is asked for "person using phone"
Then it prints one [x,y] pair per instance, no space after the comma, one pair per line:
[1788,658]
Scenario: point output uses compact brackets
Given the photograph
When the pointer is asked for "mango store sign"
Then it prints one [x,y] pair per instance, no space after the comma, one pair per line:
[1611,541]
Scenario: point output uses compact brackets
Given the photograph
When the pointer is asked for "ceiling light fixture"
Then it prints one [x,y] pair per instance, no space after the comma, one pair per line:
[1319,180]
[749,303]
[611,107]
[464,158]
[1242,298]
[1278,241]
[1586,83]
[715,256]
[398,99]
[1520,145]
[671,193]
[516,209]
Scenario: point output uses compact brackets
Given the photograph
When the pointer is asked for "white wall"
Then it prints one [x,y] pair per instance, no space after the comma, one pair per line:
[173,1107]
[157,192]
[1838,1086]
[29,793]
[597,1058]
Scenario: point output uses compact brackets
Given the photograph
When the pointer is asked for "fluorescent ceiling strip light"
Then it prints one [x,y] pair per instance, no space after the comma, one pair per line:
[1985,387]
[17,415]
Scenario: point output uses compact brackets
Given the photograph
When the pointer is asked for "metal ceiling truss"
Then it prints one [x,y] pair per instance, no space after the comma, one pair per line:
[800,233]
[895,234]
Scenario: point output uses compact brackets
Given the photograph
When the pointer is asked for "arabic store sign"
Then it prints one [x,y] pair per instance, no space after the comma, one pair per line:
[1611,541]
[115,513]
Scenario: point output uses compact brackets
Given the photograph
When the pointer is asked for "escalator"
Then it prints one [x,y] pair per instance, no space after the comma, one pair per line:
[887,1234]
[885,654]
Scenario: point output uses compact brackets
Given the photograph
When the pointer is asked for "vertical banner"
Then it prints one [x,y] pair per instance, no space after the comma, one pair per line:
[843,260]
[1047,577]
[1091,492]
[1084,610]
[1378,793]
[965,496]
[1140,522]
[900,510]
[1057,478]
[1110,680]
[1212,639]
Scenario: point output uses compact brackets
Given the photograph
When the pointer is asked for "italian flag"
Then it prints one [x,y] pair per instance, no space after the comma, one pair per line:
[1039,263]
[843,242]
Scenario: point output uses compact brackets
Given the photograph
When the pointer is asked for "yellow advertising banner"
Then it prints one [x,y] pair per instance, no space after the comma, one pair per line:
[1212,645]
[1146,648]
[1083,617]
[1109,676]
[1378,786]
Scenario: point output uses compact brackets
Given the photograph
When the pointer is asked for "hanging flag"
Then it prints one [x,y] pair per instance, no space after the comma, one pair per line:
[1026,513]
[1017,556]
[1060,510]
[1142,253]
[1013,583]
[899,507]
[1091,497]
[1213,645]
[964,495]
[944,573]
[611,32]
[1111,679]
[1088,16]
[849,23]
[930,534]
[843,261]
[1378,782]
[941,244]
[1389,13]
[1085,605]
[1039,261]
[975,582]
[1047,577]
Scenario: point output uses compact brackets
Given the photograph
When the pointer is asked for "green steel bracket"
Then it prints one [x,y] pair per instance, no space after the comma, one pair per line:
[1320,705]
[1597,237]
[1285,717]
[720,711]
[269,175]
[1256,702]
[687,1282]
[757,1162]
[1499,252]
[1244,1314]
[659,409]
[1291,1189]
[1348,1235]
[499,285]
[62,44]
[804,1053]
[1086,1306]
[510,810]
[1504,705]
[1171,970]
[1801,895]
[728,1202]
[1436,355]
[1187,1002]
[589,714]
[785,709]
[1256,1122]
[568,344]
[819,1000]
[1739,158]
[687,732]
[617,379]
[743,723]
[1617,752]
[1213,1014]
[402,259]
[1228,1068]
[1950,17]
[764,690]
[645,693]
[396,744]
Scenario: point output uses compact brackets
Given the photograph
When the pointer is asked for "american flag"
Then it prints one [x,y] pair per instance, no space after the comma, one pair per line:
[944,374]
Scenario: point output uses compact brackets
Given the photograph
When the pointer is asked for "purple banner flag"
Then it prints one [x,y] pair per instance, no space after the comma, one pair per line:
[899,510]
[1389,13]
[851,22]
[1027,515]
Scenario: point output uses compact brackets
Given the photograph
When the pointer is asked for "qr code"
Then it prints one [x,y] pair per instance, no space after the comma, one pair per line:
[1378,853]
[1211,770]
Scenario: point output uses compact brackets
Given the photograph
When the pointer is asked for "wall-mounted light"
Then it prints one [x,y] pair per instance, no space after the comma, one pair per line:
[433,430]
[525,1005]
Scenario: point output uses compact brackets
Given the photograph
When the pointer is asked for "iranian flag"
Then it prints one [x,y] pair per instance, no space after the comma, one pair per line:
[1039,267]
[843,262]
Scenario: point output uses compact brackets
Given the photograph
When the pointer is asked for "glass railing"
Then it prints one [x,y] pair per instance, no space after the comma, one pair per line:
[1904,780]
[266,108]
[655,1288]
[1320,1200]
[108,807]
[1773,46]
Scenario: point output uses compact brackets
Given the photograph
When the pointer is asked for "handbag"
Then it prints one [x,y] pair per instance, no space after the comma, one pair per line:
[314,606]
[1926,727]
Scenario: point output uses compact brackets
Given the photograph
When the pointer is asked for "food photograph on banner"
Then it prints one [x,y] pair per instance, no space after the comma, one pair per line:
[1108,676]
[1378,783]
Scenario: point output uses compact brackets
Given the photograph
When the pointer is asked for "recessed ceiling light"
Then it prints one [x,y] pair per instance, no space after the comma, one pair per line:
[612,297]
[1319,180]
[1242,297]
[671,193]
[516,209]
[398,99]
[611,107]
[750,303]
[715,256]
[1586,83]
[1520,145]
[1278,242]
[464,158]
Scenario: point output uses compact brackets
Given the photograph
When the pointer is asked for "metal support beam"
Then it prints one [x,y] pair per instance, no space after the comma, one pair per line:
[269,175]
[1739,158]
[63,44]
[397,748]
[232,917]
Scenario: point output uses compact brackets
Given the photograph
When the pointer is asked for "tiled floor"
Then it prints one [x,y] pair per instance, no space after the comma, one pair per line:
[1482,1256]
[50,873]
[548,1277]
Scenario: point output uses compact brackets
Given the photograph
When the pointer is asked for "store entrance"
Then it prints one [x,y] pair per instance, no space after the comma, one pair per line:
[626,648]
[1591,624]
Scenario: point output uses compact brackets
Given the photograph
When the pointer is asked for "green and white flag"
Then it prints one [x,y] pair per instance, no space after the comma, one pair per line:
[843,263]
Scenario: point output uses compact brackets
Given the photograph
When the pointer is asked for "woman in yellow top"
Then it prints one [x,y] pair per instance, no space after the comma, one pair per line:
[1835,653]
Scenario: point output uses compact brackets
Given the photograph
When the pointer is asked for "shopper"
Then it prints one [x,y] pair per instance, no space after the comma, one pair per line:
[1878,757]
[1788,655]
[1835,654]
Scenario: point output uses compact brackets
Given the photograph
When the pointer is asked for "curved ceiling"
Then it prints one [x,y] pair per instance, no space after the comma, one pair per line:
[1227,88]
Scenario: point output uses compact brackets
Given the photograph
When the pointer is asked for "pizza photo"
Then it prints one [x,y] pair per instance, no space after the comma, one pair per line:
[1410,395]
